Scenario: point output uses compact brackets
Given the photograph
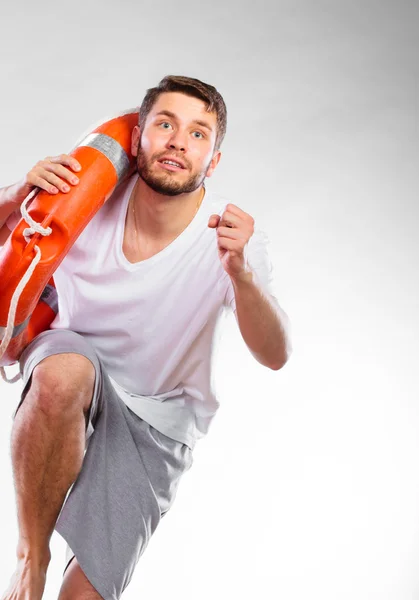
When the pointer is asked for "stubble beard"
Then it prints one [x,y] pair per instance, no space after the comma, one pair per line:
[165,183]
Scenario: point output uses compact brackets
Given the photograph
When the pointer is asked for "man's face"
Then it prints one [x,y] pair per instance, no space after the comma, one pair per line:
[178,129]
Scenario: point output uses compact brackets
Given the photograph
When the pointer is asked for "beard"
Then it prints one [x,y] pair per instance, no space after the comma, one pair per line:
[164,182]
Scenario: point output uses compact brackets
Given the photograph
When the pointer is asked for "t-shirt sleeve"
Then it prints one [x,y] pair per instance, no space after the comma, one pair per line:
[257,256]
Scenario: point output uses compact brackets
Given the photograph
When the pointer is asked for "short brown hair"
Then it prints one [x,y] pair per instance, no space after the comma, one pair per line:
[190,87]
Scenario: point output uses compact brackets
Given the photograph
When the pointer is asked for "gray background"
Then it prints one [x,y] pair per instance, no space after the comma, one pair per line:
[308,483]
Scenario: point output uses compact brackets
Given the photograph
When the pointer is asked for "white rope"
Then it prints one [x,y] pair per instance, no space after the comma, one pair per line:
[34,226]
[27,233]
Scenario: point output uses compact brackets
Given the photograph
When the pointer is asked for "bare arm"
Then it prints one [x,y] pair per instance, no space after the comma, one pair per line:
[262,322]
[49,174]
[11,198]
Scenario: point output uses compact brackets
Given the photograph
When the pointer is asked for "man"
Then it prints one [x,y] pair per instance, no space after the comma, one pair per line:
[125,368]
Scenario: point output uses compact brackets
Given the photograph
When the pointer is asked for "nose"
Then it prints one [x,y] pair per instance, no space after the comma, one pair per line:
[178,141]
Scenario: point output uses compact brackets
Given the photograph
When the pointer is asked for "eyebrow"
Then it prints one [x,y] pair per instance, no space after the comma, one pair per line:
[169,113]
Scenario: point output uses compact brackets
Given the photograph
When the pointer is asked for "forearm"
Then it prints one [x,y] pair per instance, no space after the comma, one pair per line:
[11,198]
[262,322]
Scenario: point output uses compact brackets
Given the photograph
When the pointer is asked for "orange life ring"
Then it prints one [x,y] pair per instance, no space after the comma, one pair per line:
[105,157]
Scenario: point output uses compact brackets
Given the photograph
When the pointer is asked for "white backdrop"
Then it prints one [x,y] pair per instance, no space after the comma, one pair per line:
[307,485]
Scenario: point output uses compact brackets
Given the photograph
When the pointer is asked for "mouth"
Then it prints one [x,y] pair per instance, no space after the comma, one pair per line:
[170,164]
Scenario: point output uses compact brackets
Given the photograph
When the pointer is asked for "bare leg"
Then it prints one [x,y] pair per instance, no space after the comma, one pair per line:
[76,586]
[47,447]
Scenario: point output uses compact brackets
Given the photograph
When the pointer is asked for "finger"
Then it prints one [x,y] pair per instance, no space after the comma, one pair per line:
[232,233]
[59,170]
[54,175]
[235,210]
[228,220]
[47,181]
[34,180]
[66,159]
[214,220]
[232,245]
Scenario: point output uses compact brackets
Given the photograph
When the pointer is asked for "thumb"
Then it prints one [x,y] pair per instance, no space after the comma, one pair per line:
[213,221]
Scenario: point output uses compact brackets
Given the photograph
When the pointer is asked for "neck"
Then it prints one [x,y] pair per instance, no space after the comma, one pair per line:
[159,216]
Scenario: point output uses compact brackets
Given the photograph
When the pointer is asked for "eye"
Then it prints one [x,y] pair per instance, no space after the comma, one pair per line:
[164,125]
[198,135]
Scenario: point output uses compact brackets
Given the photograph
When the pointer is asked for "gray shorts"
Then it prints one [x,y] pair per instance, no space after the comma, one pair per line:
[128,480]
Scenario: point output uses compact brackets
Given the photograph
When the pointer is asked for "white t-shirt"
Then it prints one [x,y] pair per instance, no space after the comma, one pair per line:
[154,323]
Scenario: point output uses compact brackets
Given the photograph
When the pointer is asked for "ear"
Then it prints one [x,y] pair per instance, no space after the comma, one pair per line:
[135,138]
[214,162]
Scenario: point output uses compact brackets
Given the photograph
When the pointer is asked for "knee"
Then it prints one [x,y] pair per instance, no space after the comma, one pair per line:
[63,381]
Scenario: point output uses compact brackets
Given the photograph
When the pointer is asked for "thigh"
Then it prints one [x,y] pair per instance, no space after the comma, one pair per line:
[67,375]
[63,360]
[76,586]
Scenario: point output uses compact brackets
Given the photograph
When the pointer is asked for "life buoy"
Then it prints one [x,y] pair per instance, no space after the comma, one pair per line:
[105,157]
